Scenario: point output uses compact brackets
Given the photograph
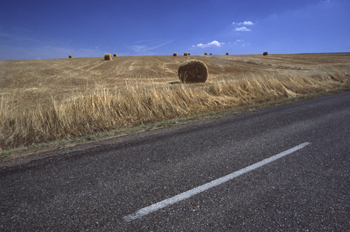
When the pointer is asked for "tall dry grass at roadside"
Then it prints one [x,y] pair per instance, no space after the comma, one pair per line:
[106,109]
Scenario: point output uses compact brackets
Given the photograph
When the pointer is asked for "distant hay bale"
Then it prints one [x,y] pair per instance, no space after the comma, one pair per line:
[70,56]
[189,54]
[226,53]
[174,54]
[114,54]
[185,53]
[108,56]
[210,54]
[193,71]
[265,54]
[205,54]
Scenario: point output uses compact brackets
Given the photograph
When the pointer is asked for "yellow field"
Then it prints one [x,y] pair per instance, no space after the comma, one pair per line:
[45,100]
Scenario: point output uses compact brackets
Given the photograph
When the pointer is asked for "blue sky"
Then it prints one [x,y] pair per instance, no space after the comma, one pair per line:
[47,29]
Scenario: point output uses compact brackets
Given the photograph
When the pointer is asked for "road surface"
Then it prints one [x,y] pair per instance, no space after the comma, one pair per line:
[287,168]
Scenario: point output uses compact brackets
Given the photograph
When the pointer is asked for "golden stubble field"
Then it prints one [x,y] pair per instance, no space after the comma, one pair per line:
[45,100]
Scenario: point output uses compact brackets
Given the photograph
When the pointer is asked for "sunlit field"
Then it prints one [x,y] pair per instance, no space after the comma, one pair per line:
[45,100]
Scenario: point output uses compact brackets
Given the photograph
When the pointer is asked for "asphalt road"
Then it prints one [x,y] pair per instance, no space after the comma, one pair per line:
[97,188]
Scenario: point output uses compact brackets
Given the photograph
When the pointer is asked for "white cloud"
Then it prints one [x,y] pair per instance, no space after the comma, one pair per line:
[214,43]
[244,23]
[247,23]
[242,29]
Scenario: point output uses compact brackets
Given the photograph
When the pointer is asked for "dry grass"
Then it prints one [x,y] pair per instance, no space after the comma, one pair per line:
[45,100]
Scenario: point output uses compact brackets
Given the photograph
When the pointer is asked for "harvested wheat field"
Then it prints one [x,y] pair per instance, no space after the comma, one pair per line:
[45,100]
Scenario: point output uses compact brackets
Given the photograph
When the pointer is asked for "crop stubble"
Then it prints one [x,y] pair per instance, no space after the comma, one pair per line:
[44,100]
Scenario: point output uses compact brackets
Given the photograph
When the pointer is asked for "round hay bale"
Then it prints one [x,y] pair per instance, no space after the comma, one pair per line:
[193,71]
[114,54]
[226,53]
[174,54]
[189,54]
[265,54]
[210,54]
[108,56]
[70,56]
[185,53]
[205,53]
